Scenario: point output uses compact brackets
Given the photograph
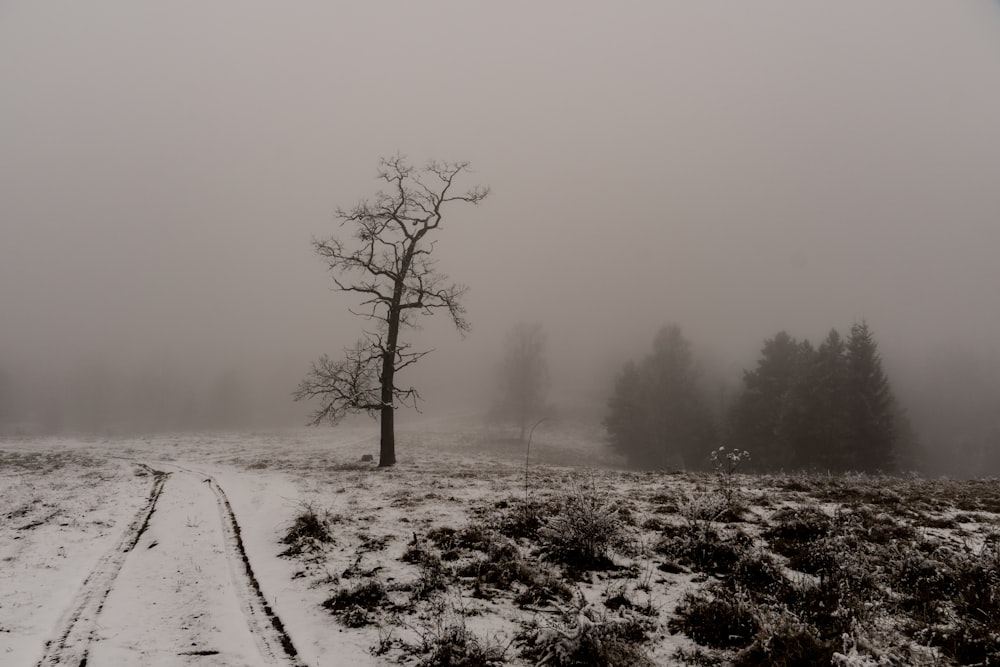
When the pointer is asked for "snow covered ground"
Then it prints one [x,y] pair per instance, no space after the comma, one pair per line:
[85,575]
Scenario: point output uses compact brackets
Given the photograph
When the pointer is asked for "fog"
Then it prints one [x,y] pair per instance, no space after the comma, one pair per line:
[737,169]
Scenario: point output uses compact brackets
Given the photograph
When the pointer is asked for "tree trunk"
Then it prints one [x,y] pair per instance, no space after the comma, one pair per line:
[387,445]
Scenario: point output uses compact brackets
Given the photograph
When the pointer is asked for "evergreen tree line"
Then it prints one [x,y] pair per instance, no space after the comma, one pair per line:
[802,407]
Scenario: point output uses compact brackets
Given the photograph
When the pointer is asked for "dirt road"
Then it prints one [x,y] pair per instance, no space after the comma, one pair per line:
[177,590]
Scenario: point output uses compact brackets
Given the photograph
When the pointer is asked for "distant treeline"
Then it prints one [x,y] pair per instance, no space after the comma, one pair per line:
[825,408]
[96,400]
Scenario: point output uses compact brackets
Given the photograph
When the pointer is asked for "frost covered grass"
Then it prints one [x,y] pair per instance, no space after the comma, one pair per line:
[60,510]
[615,567]
[444,560]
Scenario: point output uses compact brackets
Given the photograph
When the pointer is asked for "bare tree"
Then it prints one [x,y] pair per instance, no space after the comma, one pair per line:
[524,376]
[389,265]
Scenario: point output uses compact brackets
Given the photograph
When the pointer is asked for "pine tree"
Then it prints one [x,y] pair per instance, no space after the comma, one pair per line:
[756,416]
[657,417]
[626,416]
[795,433]
[871,408]
[820,395]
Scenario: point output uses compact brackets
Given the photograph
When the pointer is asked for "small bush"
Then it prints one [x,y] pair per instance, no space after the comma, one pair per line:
[726,464]
[520,521]
[545,587]
[977,582]
[445,641]
[415,551]
[757,573]
[789,644]
[443,537]
[718,618]
[794,530]
[474,537]
[618,598]
[590,638]
[501,567]
[433,578]
[584,531]
[847,596]
[308,531]
[969,643]
[703,508]
[924,583]
[875,527]
[700,547]
[456,646]
[974,635]
[353,606]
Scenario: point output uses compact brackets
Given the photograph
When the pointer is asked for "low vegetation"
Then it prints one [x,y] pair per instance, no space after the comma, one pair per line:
[308,532]
[642,568]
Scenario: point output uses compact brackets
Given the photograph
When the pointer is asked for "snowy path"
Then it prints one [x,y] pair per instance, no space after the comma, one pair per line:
[183,595]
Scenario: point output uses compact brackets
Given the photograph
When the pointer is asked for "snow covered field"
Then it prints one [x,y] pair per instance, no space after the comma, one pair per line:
[447,558]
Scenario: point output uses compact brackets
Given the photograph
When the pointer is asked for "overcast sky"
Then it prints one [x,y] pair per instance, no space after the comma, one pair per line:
[734,167]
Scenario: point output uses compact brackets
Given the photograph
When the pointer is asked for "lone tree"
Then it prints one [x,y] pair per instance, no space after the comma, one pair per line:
[389,265]
[524,377]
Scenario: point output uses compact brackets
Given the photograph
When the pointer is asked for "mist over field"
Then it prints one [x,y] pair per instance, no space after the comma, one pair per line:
[736,170]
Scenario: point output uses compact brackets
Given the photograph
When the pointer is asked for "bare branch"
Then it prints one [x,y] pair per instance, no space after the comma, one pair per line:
[349,385]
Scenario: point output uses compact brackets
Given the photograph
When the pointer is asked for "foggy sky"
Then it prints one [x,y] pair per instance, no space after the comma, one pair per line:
[735,168]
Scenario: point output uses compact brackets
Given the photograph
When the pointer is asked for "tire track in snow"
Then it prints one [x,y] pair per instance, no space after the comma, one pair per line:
[263,621]
[76,626]
[273,641]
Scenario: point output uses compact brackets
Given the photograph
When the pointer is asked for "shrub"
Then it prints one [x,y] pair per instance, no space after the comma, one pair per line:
[501,567]
[974,635]
[924,582]
[520,521]
[969,643]
[725,465]
[874,527]
[757,573]
[588,638]
[443,537]
[700,547]
[545,587]
[308,531]
[433,577]
[353,606]
[445,641]
[703,508]
[977,584]
[474,537]
[456,646]
[415,551]
[717,617]
[789,644]
[584,531]
[847,596]
[793,532]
